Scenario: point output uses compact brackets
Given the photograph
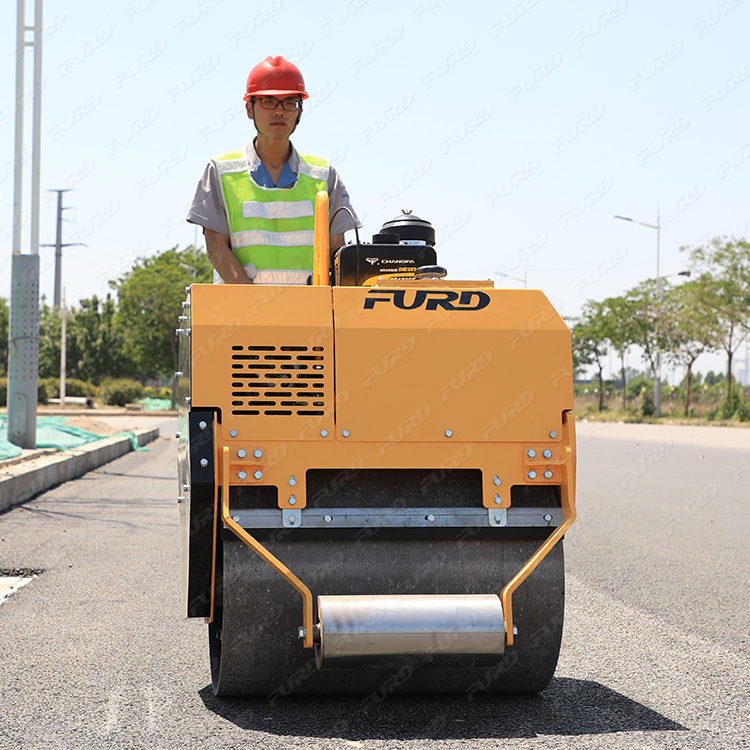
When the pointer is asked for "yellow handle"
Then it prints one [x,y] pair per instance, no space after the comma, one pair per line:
[321,252]
[262,552]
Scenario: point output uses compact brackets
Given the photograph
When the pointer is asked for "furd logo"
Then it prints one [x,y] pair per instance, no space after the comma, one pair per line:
[429,299]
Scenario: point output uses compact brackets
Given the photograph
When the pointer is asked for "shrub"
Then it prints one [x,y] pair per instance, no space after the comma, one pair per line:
[118,392]
[73,387]
[3,391]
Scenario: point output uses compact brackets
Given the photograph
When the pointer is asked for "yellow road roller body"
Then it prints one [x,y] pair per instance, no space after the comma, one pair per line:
[375,483]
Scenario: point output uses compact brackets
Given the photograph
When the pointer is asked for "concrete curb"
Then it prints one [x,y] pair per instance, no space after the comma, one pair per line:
[21,481]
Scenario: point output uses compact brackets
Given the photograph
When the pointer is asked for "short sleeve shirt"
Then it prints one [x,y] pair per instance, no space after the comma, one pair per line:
[208,210]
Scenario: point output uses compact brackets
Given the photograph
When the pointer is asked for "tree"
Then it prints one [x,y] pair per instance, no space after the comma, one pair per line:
[590,342]
[149,301]
[621,332]
[724,268]
[691,329]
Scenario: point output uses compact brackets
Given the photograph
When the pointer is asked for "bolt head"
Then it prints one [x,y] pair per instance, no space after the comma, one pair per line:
[177,435]
[241,474]
[531,453]
[497,480]
[292,481]
[498,518]
[292,500]
[553,434]
[258,475]
[324,433]
[202,425]
[547,517]
[292,520]
[449,433]
[301,632]
[430,518]
[548,474]
[241,453]
[547,454]
[258,453]
[204,462]
[531,474]
[328,518]
[236,519]
[345,433]
[232,433]
[498,499]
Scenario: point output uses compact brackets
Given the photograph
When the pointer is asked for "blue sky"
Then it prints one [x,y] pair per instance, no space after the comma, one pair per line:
[519,129]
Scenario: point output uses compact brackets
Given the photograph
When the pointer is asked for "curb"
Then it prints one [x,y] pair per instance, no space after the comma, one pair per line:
[24,480]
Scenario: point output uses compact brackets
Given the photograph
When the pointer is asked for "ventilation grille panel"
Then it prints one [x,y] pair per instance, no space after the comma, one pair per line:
[284,381]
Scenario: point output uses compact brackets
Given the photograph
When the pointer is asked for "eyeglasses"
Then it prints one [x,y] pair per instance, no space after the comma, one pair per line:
[288,105]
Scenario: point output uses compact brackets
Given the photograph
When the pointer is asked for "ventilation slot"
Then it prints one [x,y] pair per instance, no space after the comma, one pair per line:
[286,381]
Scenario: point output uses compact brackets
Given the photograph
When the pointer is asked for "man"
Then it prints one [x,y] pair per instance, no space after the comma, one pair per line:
[256,204]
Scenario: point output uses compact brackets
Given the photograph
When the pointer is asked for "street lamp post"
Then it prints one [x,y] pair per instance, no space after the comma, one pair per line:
[657,364]
[514,278]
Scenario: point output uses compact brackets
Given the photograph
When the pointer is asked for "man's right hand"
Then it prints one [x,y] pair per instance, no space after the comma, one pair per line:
[222,258]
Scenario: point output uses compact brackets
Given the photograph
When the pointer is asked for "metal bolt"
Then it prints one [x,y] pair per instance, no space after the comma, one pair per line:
[430,517]
[547,474]
[204,462]
[531,453]
[187,291]
[327,518]
[258,474]
[236,519]
[181,499]
[301,632]
[324,433]
[345,433]
[185,487]
[241,474]
[547,517]
[498,518]
[292,481]
[449,433]
[547,453]
[292,520]
[187,399]
[241,453]
[497,481]
[258,453]
[515,630]
[178,331]
[178,374]
[292,500]
[553,434]
[531,474]
[232,433]
[186,303]
[188,331]
[177,435]
[202,425]
[498,499]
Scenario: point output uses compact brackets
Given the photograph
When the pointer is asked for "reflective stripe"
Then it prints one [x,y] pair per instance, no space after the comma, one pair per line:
[231,165]
[275,276]
[317,173]
[277,210]
[272,239]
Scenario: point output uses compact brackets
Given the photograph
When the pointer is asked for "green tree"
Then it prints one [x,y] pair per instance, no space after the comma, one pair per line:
[149,301]
[96,347]
[4,332]
[50,327]
[691,329]
[590,342]
[621,332]
[724,268]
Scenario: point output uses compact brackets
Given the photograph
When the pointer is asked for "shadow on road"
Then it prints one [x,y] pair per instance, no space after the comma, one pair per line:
[566,707]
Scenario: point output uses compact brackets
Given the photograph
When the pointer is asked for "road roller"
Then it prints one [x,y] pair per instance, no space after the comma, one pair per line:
[376,473]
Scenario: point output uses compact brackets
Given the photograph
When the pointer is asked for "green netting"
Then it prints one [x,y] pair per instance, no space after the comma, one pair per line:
[155,404]
[53,432]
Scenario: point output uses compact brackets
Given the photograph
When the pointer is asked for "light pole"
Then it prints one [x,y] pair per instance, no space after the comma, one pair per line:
[514,278]
[657,365]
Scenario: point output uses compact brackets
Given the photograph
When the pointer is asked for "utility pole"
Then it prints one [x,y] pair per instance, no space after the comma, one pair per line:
[59,245]
[23,342]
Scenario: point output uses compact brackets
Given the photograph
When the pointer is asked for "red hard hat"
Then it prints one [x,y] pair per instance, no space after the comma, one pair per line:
[275,76]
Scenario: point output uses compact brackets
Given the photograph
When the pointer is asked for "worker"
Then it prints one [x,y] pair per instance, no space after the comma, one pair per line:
[256,204]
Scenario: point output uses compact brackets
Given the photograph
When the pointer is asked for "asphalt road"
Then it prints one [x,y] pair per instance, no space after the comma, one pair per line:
[656,652]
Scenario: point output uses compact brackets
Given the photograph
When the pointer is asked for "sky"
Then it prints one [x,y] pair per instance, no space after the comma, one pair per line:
[518,128]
